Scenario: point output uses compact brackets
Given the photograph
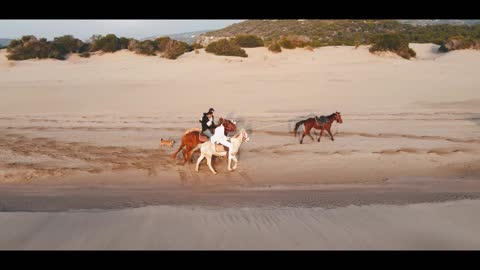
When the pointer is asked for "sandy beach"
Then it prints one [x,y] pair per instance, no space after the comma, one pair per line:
[79,151]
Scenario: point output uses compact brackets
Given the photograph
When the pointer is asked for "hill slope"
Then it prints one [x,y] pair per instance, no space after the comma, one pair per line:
[343,32]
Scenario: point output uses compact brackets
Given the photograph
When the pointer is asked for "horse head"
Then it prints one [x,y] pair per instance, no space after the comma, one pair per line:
[244,134]
[338,117]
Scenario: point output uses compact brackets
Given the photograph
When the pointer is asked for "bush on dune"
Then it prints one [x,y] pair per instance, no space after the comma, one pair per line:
[108,43]
[286,43]
[124,43]
[248,41]
[162,43]
[146,47]
[226,48]
[169,48]
[275,47]
[459,42]
[68,44]
[393,43]
[197,46]
[29,47]
[176,48]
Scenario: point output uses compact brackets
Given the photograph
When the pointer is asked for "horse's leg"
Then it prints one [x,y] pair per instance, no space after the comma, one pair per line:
[331,136]
[236,162]
[301,139]
[190,154]
[310,135]
[198,161]
[209,162]
[321,134]
[174,155]
[305,132]
[229,166]
[187,155]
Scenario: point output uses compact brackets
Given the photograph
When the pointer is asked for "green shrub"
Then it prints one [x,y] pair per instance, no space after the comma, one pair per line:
[197,46]
[459,42]
[248,41]
[275,47]
[174,49]
[394,43]
[411,52]
[225,47]
[169,48]
[29,47]
[146,47]
[124,43]
[68,44]
[132,44]
[286,43]
[108,43]
[162,43]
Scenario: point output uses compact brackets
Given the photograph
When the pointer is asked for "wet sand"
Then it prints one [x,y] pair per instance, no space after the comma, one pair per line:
[452,225]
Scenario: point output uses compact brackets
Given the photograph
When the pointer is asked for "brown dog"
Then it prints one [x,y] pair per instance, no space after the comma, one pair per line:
[169,143]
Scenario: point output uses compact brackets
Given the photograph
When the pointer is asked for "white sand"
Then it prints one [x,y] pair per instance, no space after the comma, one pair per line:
[328,79]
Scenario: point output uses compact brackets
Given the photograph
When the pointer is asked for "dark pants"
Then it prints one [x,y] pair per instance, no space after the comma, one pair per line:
[207,133]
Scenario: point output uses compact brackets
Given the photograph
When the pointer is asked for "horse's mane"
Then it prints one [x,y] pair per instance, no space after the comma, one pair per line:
[329,116]
[238,133]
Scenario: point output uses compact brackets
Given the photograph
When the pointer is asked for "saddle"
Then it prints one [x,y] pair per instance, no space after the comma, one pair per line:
[321,120]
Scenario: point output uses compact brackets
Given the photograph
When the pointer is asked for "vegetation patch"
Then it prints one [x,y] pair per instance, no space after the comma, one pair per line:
[226,47]
[248,41]
[393,43]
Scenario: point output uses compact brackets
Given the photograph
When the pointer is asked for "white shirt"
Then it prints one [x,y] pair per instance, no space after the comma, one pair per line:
[219,135]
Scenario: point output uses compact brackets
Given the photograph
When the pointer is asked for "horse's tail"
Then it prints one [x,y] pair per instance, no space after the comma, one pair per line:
[174,156]
[297,125]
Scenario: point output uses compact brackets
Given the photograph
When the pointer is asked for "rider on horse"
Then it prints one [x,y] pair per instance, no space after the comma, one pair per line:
[208,122]
[219,137]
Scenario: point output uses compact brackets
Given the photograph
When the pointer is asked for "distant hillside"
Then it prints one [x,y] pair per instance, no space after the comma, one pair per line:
[188,37]
[4,41]
[268,29]
[343,32]
[437,22]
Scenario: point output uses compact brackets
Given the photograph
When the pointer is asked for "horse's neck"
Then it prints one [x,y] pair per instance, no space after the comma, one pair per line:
[330,118]
[236,141]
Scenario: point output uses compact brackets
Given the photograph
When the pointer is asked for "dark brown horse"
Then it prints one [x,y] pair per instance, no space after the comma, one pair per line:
[314,122]
[193,137]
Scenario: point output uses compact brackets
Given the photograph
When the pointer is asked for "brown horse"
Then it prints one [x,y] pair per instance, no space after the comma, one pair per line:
[314,122]
[193,137]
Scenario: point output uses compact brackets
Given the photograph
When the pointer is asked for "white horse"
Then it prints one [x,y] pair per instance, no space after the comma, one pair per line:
[208,149]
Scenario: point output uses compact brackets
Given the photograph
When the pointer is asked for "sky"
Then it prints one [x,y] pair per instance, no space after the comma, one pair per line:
[83,29]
